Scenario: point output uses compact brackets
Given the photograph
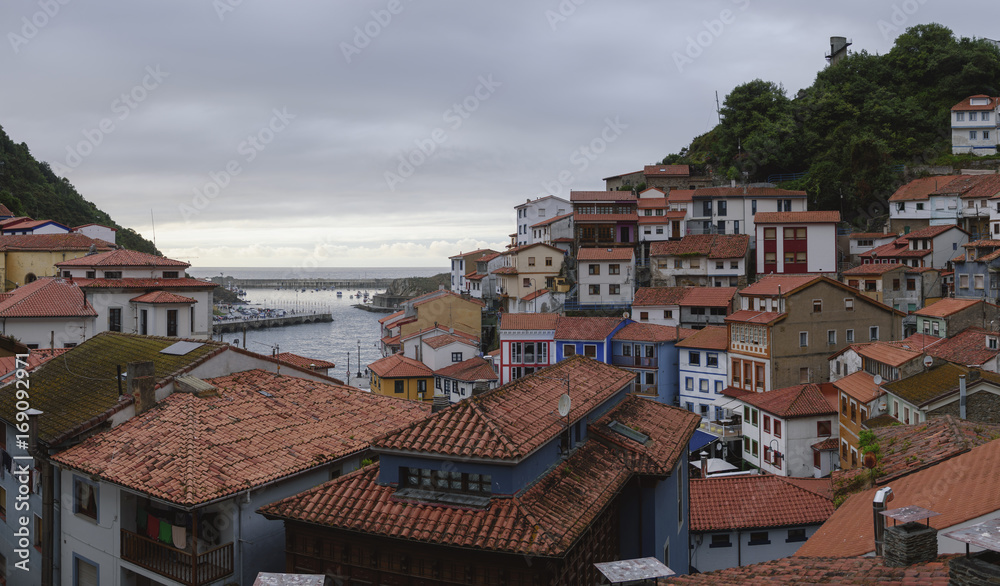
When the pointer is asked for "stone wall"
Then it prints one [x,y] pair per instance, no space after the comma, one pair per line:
[976,570]
[983,407]
[908,544]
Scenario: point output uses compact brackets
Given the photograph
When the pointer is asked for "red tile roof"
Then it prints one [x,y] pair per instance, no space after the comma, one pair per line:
[646,332]
[709,338]
[399,366]
[812,217]
[512,421]
[859,385]
[505,271]
[585,328]
[753,502]
[445,339]
[680,195]
[874,268]
[771,285]
[480,252]
[960,488]
[392,316]
[871,235]
[602,196]
[920,189]
[666,171]
[715,246]
[747,192]
[755,317]
[531,296]
[946,307]
[967,347]
[473,369]
[71,241]
[123,258]
[709,297]
[654,296]
[46,297]
[162,297]
[983,187]
[807,571]
[966,104]
[551,221]
[304,362]
[28,224]
[418,301]
[597,218]
[528,321]
[667,427]
[36,358]
[181,283]
[620,253]
[652,203]
[806,400]
[891,354]
[191,449]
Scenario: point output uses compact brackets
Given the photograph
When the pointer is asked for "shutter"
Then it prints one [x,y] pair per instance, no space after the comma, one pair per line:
[86,573]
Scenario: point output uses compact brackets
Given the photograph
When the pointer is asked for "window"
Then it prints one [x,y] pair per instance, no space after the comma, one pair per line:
[456,356]
[758,538]
[172,322]
[831,336]
[548,261]
[767,427]
[777,428]
[804,375]
[614,269]
[984,116]
[437,382]
[706,208]
[445,481]
[590,350]
[614,289]
[817,460]
[594,289]
[986,133]
[854,412]
[594,269]
[972,133]
[531,261]
[754,448]
[770,233]
[85,497]
[963,281]
[112,274]
[643,316]
[569,350]
[720,265]
[799,534]
[817,306]
[447,381]
[720,540]
[824,428]
[91,274]
[959,116]
[689,383]
[718,390]
[85,572]
[526,282]
[170,274]
[873,333]
[694,358]
[978,281]
[712,359]
[746,444]
[115,319]
[399,386]
[422,387]
[920,207]
[695,263]
[722,208]
[803,339]
[678,263]
[900,207]
[668,314]
[849,336]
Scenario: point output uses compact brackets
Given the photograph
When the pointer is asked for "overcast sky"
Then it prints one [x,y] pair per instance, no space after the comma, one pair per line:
[393,132]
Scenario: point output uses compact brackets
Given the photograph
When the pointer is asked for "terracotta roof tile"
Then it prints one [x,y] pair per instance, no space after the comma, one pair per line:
[960,488]
[512,421]
[481,252]
[919,189]
[810,217]
[191,449]
[710,338]
[304,362]
[747,192]
[967,347]
[620,253]
[586,328]
[181,283]
[751,502]
[667,427]
[806,571]
[36,358]
[859,385]
[445,339]
[646,332]
[709,297]
[551,221]
[46,297]
[946,307]
[601,196]
[680,195]
[871,235]
[966,104]
[666,171]
[391,317]
[771,285]
[123,258]
[473,369]
[528,321]
[715,246]
[399,366]
[162,297]
[891,354]
[755,317]
[874,268]
[71,241]
[806,400]
[654,296]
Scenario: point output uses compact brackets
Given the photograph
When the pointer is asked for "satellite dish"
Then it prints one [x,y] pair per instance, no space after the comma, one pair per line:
[928,361]
[878,379]
[625,315]
[564,405]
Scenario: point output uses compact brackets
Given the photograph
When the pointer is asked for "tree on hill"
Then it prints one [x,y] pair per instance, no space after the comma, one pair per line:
[30,188]
[855,123]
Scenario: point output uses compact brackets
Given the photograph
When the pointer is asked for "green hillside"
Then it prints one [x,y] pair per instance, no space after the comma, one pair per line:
[30,188]
[856,125]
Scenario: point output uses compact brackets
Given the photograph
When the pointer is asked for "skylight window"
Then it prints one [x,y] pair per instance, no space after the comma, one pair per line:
[628,432]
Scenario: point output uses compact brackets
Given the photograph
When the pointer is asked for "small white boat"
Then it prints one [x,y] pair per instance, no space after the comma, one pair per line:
[340,293]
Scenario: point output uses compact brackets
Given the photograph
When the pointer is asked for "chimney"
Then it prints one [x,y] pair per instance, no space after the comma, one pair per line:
[912,542]
[140,384]
[882,496]
[440,402]
[704,464]
[963,396]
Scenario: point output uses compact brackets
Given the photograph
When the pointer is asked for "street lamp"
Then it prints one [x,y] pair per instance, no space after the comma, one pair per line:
[774,450]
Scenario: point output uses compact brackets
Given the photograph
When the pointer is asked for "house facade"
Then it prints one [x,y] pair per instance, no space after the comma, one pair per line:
[461,265]
[534,211]
[527,269]
[703,363]
[797,242]
[403,378]
[974,125]
[586,336]
[463,379]
[606,276]
[949,316]
[701,260]
[49,312]
[650,352]
[604,219]
[731,210]
[527,344]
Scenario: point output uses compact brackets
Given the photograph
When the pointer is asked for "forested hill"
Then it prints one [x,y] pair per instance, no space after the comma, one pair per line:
[30,188]
[856,124]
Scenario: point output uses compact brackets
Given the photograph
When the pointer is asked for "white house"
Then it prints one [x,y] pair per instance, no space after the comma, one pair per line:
[781,426]
[49,312]
[438,346]
[135,292]
[933,246]
[797,242]
[97,231]
[862,242]
[713,260]
[659,305]
[974,125]
[554,230]
[731,210]
[531,212]
[606,276]
[463,379]
[464,264]
[704,371]
[29,226]
[742,520]
[527,343]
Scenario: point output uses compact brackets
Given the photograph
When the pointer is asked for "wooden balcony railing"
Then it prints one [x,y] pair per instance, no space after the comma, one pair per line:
[177,564]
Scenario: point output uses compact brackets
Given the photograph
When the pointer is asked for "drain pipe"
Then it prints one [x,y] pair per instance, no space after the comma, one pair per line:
[963,396]
[882,497]
[40,456]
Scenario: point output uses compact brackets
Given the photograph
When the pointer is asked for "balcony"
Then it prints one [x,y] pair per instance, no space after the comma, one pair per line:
[641,362]
[725,431]
[177,564]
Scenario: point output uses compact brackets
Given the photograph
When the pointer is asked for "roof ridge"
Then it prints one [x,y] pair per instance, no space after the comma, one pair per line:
[500,434]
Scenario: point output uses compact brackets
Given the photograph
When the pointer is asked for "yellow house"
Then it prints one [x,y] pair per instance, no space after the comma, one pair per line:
[403,378]
[445,309]
[528,269]
[25,257]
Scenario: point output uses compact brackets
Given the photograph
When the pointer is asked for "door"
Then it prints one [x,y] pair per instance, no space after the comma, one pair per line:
[675,229]
[144,322]
[172,322]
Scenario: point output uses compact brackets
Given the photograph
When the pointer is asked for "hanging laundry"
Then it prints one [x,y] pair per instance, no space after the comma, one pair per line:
[152,526]
[180,536]
[166,532]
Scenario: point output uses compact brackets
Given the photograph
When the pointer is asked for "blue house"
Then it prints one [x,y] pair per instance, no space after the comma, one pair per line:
[976,275]
[514,486]
[649,350]
[587,336]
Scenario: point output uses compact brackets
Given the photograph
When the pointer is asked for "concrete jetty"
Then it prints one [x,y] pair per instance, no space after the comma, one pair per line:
[237,325]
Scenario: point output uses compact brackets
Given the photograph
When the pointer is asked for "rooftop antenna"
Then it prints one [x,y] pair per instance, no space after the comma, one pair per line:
[153,223]
[718,110]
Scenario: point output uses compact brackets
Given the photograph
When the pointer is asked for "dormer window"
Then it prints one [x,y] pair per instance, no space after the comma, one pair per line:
[991,343]
[170,274]
[443,481]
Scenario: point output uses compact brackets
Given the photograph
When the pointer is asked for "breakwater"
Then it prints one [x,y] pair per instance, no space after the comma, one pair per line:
[304,283]
[238,325]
